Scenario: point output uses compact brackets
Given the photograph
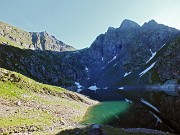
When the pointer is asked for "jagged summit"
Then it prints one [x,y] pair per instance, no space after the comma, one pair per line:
[128,24]
[111,29]
[150,23]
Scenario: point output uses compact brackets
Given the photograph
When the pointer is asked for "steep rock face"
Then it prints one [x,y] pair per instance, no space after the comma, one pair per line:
[168,65]
[125,49]
[33,40]
[48,67]
[44,41]
[132,42]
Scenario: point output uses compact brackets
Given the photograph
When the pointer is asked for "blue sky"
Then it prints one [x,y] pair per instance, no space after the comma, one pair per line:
[79,22]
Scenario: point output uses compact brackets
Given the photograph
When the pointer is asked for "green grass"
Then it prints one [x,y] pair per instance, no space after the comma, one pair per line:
[13,85]
[9,90]
[33,117]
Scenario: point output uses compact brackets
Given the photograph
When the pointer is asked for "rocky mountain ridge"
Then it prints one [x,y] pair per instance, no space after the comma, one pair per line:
[127,48]
[33,40]
[110,58]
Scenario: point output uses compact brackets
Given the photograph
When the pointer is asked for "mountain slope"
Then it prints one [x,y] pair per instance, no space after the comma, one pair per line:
[167,66]
[32,40]
[125,49]
[29,106]
[44,66]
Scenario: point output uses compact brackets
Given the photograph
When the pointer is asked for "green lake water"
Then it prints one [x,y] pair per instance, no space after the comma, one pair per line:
[105,112]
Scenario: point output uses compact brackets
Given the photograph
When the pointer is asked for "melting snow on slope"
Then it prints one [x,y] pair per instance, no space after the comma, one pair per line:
[113,59]
[87,70]
[114,64]
[129,101]
[152,56]
[162,46]
[121,88]
[93,88]
[147,69]
[102,58]
[158,119]
[103,67]
[127,74]
[150,105]
[79,86]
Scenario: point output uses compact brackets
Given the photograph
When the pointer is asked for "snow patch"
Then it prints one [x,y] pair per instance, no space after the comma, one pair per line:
[79,86]
[150,105]
[121,88]
[103,67]
[129,101]
[162,46]
[87,70]
[114,65]
[76,52]
[105,88]
[113,59]
[79,90]
[152,56]
[127,74]
[93,88]
[102,58]
[146,70]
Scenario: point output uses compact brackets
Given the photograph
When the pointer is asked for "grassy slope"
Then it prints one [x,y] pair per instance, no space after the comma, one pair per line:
[41,107]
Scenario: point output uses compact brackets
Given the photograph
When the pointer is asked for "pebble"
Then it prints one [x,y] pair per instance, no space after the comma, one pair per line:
[18,103]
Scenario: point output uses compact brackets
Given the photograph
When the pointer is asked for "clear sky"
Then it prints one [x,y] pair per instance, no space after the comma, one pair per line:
[79,22]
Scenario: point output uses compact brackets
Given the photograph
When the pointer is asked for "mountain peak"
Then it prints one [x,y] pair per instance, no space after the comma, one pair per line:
[128,24]
[150,23]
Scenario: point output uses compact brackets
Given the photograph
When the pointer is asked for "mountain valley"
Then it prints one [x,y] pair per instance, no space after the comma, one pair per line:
[44,83]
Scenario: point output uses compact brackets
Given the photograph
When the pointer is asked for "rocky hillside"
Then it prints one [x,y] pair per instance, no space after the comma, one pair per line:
[48,67]
[32,40]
